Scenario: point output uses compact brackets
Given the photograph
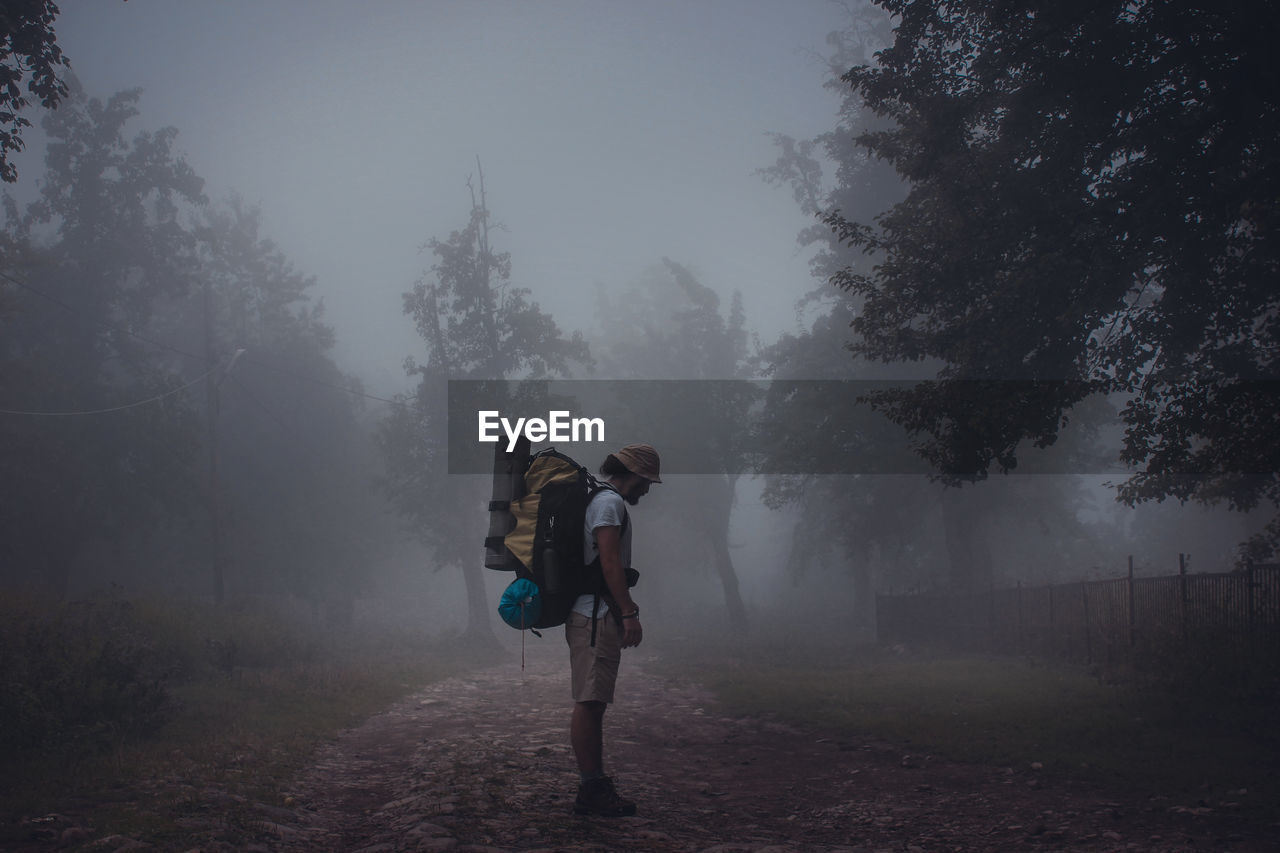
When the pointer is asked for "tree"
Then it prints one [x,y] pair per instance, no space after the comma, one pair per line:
[282,424]
[28,52]
[671,326]
[831,171]
[896,531]
[841,519]
[474,325]
[84,265]
[888,526]
[127,300]
[852,520]
[1091,209]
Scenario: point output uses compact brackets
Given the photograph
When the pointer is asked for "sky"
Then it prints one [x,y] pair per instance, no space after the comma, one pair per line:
[611,134]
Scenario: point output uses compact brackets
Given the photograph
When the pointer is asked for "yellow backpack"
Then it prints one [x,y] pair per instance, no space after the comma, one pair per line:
[542,521]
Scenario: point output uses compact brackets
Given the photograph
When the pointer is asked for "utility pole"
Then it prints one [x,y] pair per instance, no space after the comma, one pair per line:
[211,418]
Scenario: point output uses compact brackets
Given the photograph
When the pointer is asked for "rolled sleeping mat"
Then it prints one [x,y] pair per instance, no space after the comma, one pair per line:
[508,485]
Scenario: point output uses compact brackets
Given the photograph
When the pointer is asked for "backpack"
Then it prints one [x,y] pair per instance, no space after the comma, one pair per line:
[543,517]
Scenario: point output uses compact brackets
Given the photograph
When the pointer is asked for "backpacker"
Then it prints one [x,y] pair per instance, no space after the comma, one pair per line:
[536,531]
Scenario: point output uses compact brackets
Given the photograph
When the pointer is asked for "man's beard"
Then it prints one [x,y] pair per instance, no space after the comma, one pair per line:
[631,499]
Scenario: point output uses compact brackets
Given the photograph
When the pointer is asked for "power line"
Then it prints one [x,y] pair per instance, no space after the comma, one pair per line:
[354,485]
[316,381]
[154,399]
[280,422]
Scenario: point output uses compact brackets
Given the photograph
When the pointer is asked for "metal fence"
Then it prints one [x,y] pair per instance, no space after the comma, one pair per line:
[1108,621]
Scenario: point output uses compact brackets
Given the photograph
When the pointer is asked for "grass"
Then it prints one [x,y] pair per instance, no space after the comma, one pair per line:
[1012,713]
[227,741]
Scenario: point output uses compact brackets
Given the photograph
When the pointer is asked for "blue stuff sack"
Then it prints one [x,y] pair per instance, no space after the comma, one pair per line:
[521,604]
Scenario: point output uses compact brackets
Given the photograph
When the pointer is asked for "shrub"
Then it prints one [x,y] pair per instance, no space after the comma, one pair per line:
[75,675]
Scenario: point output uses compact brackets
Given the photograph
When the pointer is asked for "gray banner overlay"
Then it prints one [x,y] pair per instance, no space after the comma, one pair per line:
[738,427]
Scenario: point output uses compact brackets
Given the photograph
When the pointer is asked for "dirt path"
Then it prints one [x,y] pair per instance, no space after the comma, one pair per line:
[481,763]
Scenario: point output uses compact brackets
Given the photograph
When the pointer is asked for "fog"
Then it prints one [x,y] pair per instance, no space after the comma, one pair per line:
[618,148]
[955,458]
[610,135]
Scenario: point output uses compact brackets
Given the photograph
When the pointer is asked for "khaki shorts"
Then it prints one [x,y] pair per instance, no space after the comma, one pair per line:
[595,670]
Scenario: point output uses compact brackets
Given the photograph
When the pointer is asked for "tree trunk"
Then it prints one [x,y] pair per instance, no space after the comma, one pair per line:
[864,605]
[718,508]
[968,552]
[479,632]
[729,580]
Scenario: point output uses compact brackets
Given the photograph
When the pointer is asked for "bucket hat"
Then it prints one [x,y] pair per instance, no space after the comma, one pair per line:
[640,459]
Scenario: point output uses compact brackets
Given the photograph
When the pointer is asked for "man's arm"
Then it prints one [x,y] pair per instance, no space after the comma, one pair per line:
[609,541]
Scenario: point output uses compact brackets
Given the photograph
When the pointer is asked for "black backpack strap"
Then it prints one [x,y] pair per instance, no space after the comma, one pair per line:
[595,487]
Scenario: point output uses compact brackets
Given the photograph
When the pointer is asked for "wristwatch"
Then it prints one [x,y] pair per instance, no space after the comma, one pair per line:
[634,614]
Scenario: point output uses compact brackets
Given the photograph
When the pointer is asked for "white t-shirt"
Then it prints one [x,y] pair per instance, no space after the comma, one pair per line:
[606,509]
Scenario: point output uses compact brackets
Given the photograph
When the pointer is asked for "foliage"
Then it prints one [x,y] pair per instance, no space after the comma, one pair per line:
[292,453]
[28,52]
[225,742]
[85,264]
[474,325]
[145,325]
[889,524]
[1090,209]
[1229,664]
[851,518]
[830,171]
[76,676]
[845,520]
[899,530]
[669,326]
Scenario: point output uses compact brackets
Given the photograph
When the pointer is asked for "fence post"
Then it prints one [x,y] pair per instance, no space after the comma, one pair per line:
[1249,603]
[1132,609]
[1182,594]
[1088,642]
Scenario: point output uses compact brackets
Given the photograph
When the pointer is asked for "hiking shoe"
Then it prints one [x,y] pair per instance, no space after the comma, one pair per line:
[599,798]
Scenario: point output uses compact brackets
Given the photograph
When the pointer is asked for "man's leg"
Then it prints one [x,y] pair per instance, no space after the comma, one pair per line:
[586,733]
[596,794]
[595,668]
